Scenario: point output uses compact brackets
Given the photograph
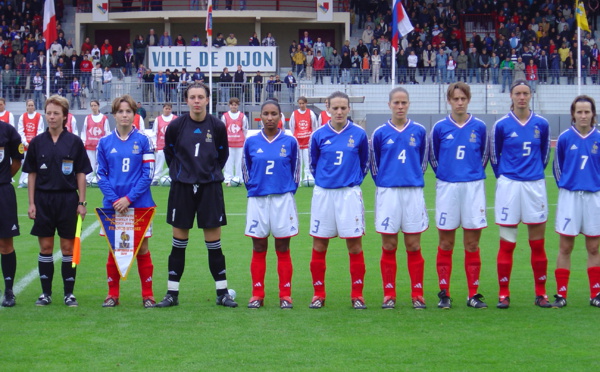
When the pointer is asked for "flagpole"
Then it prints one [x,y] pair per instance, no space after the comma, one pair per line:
[47,74]
[578,60]
[209,37]
[393,67]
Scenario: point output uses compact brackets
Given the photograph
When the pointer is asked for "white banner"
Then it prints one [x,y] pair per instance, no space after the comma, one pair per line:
[324,10]
[100,10]
[251,58]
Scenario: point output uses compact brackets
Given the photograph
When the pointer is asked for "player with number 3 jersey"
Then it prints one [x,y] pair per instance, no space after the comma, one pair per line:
[399,154]
[520,149]
[458,156]
[577,173]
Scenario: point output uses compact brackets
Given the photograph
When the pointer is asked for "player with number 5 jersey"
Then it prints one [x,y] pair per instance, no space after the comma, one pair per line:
[399,154]
[520,149]
[271,169]
[458,156]
[577,173]
[339,160]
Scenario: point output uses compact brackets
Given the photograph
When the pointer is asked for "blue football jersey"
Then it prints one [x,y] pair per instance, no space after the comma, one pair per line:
[520,151]
[399,156]
[577,161]
[126,168]
[459,153]
[271,167]
[339,159]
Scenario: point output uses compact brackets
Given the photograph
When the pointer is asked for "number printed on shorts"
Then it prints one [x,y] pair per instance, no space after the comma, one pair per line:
[316,225]
[385,223]
[402,156]
[338,159]
[584,159]
[442,220]
[526,148]
[251,229]
[460,152]
[504,214]
[270,166]
[125,167]
[567,220]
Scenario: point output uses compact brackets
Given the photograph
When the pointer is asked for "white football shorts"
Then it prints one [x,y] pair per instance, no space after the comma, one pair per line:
[272,214]
[578,212]
[520,201]
[400,209]
[337,212]
[460,203]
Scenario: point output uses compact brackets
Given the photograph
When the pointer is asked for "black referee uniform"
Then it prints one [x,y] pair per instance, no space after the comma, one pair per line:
[11,149]
[56,199]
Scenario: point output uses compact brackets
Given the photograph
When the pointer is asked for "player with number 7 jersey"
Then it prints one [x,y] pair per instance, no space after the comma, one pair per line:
[458,156]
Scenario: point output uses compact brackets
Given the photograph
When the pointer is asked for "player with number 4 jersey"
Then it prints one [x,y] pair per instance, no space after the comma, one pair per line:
[399,154]
[520,149]
[577,173]
[458,157]
[271,169]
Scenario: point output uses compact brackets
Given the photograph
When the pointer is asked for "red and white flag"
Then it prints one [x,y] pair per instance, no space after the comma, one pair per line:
[209,9]
[49,23]
[401,25]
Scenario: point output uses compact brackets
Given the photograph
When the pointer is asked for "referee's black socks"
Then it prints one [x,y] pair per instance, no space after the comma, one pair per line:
[176,265]
[9,268]
[216,264]
[46,270]
[68,273]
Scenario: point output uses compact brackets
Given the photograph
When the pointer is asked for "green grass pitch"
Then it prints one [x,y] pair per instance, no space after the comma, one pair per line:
[198,335]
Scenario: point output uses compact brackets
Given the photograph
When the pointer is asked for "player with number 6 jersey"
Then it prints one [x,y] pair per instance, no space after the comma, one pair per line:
[577,173]
[458,156]
[339,159]
[399,154]
[271,168]
[520,149]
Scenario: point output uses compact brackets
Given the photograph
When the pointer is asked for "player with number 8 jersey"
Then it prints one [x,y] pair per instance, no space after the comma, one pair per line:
[399,154]
[458,156]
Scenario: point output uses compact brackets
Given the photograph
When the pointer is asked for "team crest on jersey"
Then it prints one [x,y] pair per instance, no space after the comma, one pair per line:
[136,148]
[1,154]
[473,137]
[67,167]
[208,136]
[350,142]
[595,148]
[536,132]
[412,141]
[283,152]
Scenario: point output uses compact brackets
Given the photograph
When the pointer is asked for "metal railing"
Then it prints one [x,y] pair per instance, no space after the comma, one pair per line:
[85,6]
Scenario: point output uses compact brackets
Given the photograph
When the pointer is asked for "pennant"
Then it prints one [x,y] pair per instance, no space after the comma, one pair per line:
[50,33]
[208,27]
[581,18]
[401,25]
[125,233]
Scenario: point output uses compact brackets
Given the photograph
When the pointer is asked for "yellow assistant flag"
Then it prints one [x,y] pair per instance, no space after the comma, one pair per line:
[581,18]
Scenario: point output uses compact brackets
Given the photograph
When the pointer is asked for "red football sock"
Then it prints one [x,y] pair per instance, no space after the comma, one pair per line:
[562,281]
[357,273]
[473,269]
[539,263]
[317,269]
[146,269]
[594,277]
[389,268]
[258,267]
[113,276]
[444,269]
[285,271]
[416,267]
[504,264]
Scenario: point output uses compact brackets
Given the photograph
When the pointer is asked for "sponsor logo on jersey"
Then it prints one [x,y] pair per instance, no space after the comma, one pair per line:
[514,135]
[390,142]
[197,131]
[450,136]
[259,151]
[113,151]
[328,142]
[574,147]
[43,166]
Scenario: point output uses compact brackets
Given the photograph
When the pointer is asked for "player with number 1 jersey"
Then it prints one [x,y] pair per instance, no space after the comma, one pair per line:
[399,154]
[458,156]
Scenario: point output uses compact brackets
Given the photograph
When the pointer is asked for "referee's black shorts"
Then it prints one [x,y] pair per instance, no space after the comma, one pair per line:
[55,211]
[204,201]
[9,221]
